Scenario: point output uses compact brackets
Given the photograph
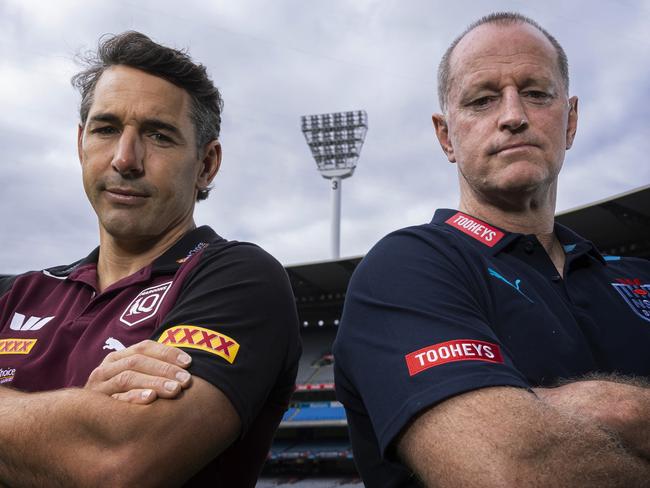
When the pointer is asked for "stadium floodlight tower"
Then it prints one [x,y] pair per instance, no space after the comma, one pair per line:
[335,141]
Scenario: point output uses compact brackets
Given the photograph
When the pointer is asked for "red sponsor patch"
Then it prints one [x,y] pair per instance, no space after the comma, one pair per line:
[450,351]
[475,228]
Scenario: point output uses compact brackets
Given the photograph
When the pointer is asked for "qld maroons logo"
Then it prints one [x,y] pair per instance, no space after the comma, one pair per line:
[145,305]
[636,295]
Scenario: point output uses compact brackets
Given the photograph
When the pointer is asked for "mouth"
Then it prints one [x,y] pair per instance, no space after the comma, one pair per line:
[507,148]
[125,195]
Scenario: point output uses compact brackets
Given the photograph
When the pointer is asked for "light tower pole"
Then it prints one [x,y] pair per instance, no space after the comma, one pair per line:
[335,142]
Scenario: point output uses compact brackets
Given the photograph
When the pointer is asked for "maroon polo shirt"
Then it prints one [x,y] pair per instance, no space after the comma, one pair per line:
[228,304]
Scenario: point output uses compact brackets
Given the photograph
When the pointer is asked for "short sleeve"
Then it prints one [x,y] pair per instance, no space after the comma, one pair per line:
[415,331]
[236,317]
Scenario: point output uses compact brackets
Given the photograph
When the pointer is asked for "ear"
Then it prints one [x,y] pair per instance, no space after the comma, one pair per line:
[209,164]
[442,132]
[572,123]
[80,140]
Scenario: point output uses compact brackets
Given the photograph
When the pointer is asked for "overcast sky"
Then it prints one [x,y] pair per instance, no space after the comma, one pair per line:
[276,60]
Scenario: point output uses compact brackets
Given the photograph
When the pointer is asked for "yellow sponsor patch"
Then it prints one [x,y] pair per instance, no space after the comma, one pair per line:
[16,346]
[206,340]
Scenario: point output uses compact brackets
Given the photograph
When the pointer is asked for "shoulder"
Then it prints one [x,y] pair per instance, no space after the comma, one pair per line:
[628,263]
[6,281]
[242,257]
[413,251]
[35,277]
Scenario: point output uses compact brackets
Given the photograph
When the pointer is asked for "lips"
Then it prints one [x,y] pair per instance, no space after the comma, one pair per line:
[127,192]
[512,146]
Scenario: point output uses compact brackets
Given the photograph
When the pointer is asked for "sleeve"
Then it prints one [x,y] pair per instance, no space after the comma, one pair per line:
[236,317]
[414,332]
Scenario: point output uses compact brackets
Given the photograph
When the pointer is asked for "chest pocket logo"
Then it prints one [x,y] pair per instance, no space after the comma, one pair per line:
[145,305]
[637,296]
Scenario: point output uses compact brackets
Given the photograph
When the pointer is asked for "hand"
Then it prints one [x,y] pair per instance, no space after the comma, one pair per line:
[141,373]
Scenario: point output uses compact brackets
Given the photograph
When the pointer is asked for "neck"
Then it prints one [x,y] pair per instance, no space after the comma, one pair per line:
[524,214]
[119,257]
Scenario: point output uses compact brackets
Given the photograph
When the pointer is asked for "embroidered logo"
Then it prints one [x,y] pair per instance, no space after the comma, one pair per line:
[476,229]
[145,305]
[451,351]
[514,285]
[18,322]
[197,248]
[7,375]
[635,294]
[16,346]
[114,344]
[206,340]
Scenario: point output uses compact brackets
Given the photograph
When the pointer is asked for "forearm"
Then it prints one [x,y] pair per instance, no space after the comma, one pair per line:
[60,438]
[618,405]
[506,437]
[78,437]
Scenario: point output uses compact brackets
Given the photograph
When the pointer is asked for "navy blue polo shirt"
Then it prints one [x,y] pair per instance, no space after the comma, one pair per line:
[448,307]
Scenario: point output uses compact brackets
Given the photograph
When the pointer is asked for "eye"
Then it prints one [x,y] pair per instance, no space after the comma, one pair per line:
[482,102]
[537,96]
[160,138]
[104,130]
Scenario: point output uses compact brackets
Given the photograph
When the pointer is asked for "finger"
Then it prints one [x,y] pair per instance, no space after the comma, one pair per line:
[138,396]
[154,350]
[139,363]
[130,380]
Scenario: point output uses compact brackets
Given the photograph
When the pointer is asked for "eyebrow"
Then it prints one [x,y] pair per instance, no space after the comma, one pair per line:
[146,124]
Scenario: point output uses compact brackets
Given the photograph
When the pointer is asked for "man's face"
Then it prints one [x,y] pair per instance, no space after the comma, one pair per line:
[509,121]
[140,164]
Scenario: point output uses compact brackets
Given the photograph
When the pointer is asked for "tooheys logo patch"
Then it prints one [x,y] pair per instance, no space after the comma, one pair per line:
[448,352]
[145,305]
[207,340]
[635,294]
[475,228]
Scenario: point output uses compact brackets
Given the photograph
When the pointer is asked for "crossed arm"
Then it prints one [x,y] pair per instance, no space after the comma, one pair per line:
[81,437]
[589,433]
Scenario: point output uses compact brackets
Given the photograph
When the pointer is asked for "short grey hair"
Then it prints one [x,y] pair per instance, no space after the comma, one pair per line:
[501,18]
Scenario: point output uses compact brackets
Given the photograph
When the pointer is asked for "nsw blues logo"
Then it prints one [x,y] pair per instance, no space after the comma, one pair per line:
[636,295]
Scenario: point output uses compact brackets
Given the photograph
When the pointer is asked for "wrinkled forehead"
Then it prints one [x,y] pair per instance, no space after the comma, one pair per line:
[503,46]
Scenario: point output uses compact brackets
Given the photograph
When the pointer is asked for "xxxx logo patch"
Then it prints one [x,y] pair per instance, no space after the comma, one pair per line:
[193,337]
[16,346]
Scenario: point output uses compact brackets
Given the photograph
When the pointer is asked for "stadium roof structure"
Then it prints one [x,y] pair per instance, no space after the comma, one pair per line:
[618,225]
[319,288]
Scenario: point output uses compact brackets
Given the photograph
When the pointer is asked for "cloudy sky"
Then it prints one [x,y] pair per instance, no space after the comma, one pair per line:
[276,60]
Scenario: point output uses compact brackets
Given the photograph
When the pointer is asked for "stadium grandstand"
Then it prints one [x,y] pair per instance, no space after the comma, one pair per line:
[311,448]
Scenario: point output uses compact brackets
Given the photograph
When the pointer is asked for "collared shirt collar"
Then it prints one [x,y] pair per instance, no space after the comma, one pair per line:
[492,239]
[188,245]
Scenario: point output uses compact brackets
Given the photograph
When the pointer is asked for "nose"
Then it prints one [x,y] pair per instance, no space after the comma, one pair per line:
[512,116]
[129,154]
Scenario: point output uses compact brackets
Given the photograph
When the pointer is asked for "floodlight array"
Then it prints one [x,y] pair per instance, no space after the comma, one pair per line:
[335,140]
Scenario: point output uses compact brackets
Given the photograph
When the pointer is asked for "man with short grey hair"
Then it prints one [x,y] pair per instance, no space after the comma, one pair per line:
[493,347]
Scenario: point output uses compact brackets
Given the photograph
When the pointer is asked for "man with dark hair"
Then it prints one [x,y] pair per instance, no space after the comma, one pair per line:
[493,347]
[149,362]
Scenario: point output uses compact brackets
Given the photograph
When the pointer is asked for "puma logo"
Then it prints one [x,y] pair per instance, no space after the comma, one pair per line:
[113,344]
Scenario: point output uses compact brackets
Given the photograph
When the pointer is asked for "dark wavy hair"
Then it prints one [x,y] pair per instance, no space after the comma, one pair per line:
[136,50]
